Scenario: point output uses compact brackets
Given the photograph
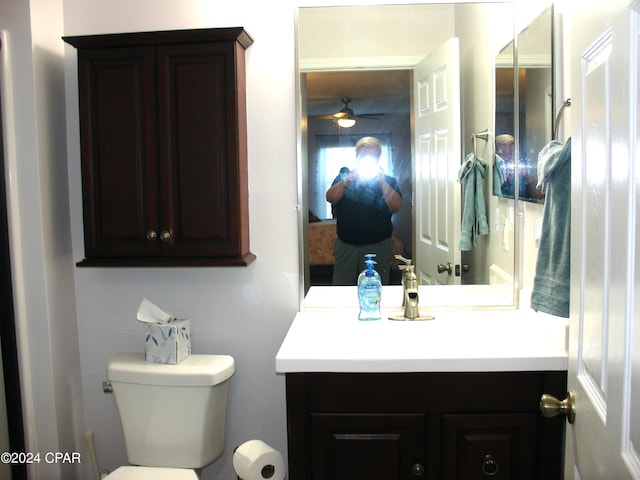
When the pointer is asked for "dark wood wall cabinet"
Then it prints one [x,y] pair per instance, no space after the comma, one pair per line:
[164,147]
[458,426]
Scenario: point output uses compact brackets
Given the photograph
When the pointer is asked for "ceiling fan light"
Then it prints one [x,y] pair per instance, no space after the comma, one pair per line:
[346,122]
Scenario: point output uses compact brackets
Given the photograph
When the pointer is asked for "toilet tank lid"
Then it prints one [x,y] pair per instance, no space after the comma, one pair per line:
[195,370]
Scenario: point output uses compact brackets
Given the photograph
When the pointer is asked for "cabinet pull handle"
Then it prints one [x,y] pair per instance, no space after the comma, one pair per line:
[490,467]
[165,236]
[151,235]
[417,469]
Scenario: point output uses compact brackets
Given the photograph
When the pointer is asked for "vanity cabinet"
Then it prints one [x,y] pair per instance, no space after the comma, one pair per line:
[391,426]
[163,147]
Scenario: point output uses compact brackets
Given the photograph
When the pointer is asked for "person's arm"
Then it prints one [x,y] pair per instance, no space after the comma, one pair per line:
[336,191]
[391,197]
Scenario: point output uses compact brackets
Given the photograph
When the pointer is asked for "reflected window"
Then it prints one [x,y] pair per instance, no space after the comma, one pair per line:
[334,152]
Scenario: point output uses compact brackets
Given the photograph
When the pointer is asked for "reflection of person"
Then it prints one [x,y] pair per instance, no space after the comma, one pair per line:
[364,202]
[504,149]
[344,173]
[527,174]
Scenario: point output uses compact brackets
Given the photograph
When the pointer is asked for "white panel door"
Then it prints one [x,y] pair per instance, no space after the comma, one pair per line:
[436,110]
[604,347]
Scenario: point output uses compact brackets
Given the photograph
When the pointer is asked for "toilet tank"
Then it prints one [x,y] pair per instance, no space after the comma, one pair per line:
[172,415]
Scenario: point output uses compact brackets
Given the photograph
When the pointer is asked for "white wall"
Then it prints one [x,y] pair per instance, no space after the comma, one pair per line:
[244,312]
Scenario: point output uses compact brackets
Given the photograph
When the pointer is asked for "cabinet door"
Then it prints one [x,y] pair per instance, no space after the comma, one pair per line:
[367,446]
[116,96]
[489,446]
[198,149]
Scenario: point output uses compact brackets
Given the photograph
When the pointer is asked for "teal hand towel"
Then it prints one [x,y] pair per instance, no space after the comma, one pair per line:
[551,284]
[471,175]
[499,175]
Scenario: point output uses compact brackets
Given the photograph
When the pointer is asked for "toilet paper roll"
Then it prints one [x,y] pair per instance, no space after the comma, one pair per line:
[255,460]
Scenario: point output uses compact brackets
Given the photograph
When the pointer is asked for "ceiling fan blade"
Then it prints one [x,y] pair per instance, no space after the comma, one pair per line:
[323,117]
[347,112]
[370,116]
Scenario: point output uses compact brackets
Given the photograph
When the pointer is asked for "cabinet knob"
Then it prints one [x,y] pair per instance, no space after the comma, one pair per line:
[151,235]
[165,236]
[417,469]
[489,466]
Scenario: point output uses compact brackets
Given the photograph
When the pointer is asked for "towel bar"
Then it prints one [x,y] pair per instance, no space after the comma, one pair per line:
[483,135]
[565,104]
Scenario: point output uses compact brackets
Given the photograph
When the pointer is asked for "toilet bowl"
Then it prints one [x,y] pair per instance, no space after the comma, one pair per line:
[172,416]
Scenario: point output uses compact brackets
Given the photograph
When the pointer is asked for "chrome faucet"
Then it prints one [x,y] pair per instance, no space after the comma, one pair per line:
[410,298]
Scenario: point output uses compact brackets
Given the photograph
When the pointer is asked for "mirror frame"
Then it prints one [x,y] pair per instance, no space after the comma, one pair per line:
[524,65]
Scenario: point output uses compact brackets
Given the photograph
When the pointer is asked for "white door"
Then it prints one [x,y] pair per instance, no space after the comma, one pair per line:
[436,110]
[604,346]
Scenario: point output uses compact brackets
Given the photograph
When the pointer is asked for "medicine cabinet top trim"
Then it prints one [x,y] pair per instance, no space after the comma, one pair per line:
[161,37]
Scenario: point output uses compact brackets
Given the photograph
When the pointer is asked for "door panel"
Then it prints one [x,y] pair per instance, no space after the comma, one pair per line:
[116,92]
[197,180]
[436,92]
[367,446]
[603,370]
[496,446]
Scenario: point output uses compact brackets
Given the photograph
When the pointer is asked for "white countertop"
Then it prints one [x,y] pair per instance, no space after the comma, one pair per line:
[334,340]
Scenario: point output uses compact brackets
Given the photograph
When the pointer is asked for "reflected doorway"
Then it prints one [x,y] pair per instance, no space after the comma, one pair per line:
[380,103]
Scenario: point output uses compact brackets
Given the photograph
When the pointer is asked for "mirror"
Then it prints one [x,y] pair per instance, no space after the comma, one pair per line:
[361,59]
[535,106]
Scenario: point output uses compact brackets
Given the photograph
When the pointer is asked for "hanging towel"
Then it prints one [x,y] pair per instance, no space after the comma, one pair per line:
[551,284]
[499,175]
[474,214]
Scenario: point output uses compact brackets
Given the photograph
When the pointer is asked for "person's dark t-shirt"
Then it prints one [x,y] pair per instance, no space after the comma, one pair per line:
[362,214]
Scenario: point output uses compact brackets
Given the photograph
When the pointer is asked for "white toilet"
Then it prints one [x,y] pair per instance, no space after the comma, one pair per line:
[172,416]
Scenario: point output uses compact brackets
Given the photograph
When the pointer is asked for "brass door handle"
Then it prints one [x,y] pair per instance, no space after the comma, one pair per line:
[445,268]
[550,406]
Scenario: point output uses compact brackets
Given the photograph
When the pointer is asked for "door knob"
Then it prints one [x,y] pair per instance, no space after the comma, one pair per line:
[165,236]
[550,406]
[445,268]
[151,235]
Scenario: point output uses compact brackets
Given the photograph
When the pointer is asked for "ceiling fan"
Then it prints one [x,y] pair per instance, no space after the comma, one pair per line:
[346,117]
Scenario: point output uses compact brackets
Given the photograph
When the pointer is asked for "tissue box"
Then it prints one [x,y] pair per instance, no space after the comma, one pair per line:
[167,342]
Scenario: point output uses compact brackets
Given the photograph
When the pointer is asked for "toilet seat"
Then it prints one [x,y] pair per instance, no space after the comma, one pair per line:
[151,473]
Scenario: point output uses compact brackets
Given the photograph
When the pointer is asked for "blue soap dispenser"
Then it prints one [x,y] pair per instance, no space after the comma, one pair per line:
[369,293]
[368,256]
